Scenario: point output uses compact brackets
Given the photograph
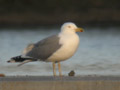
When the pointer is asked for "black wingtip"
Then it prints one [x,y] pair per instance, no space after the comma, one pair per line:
[8,61]
[20,59]
[11,61]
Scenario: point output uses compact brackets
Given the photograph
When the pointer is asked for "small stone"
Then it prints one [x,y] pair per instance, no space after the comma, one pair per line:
[2,75]
[71,73]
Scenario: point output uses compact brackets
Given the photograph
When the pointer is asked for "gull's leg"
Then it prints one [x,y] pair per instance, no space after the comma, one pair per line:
[54,71]
[59,68]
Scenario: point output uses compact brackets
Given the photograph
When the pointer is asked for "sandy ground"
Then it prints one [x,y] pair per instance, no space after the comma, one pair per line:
[64,78]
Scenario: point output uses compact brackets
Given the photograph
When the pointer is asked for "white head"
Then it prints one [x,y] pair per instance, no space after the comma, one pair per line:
[70,27]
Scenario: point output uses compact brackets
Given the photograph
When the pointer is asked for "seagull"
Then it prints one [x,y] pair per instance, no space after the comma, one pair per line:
[55,48]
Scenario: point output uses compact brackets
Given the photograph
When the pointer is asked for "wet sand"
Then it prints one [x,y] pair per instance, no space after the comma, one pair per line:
[60,83]
[64,78]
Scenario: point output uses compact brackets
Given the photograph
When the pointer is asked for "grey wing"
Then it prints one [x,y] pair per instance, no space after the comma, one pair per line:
[45,48]
[28,48]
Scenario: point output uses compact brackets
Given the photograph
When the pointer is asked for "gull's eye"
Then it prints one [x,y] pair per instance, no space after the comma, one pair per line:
[69,26]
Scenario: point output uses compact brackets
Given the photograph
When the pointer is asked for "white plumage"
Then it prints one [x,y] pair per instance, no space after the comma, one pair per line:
[69,40]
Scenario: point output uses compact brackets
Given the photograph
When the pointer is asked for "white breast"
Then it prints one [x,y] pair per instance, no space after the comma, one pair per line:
[69,46]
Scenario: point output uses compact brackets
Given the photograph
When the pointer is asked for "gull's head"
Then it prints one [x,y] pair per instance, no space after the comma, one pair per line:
[70,27]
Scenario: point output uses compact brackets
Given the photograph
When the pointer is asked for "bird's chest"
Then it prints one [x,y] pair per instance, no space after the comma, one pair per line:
[68,48]
[70,44]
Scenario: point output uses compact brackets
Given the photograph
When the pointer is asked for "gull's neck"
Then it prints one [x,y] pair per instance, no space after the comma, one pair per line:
[67,32]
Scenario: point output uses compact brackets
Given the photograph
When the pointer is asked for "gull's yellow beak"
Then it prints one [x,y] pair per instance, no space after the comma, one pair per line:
[79,30]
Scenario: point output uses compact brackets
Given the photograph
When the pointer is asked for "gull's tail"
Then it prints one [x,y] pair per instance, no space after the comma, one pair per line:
[21,59]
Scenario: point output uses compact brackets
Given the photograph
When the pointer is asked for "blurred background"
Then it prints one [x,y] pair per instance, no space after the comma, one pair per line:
[27,21]
[49,12]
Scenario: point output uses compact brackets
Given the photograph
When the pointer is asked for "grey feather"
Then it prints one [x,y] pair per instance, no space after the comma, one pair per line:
[28,48]
[45,48]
